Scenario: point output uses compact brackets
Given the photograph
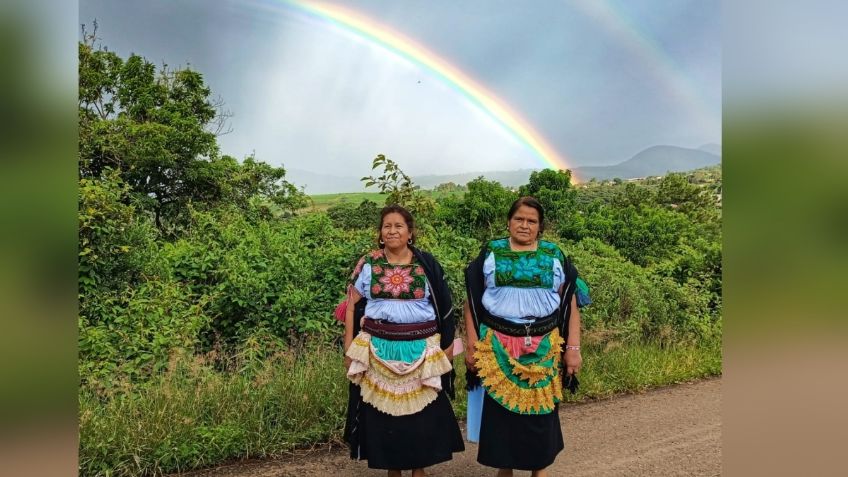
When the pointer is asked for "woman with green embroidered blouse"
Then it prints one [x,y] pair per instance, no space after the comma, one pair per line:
[523,331]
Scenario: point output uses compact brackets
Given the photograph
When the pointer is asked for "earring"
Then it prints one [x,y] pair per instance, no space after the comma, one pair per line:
[382,242]
[409,242]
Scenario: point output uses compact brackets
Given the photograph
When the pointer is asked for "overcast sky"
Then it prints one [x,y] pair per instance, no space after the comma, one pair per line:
[599,80]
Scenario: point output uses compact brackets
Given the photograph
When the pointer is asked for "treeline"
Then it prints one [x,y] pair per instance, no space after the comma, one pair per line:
[192,260]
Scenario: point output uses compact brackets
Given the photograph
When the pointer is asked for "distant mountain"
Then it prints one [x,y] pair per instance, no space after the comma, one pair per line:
[653,161]
[712,148]
[319,183]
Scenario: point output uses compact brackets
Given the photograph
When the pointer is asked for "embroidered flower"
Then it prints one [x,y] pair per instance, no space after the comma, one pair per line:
[419,270]
[377,254]
[377,269]
[418,293]
[396,280]
[358,268]
[503,264]
[375,289]
[524,269]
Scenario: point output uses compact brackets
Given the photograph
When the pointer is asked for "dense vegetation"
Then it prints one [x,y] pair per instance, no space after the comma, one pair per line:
[206,284]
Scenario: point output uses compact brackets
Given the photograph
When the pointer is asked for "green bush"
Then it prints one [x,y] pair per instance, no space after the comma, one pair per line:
[129,336]
[284,275]
[631,304]
[348,216]
[114,240]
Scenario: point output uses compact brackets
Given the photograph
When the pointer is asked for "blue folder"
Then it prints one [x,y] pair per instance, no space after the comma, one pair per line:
[474,413]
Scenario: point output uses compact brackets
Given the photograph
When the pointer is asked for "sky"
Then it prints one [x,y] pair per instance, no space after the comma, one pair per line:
[596,80]
[785,51]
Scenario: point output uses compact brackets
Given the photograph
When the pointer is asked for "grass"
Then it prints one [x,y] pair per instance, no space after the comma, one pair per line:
[635,368]
[193,416]
[325,201]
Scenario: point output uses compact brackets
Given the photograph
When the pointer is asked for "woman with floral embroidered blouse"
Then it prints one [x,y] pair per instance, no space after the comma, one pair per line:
[523,295]
[399,329]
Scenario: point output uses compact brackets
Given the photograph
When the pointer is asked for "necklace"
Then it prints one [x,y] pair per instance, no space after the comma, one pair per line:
[520,248]
[400,260]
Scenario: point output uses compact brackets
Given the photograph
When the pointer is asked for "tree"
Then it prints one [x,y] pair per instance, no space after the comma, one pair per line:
[449,187]
[399,188]
[634,195]
[158,130]
[349,216]
[676,192]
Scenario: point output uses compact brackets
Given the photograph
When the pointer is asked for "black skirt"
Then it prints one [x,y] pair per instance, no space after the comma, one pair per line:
[518,441]
[407,442]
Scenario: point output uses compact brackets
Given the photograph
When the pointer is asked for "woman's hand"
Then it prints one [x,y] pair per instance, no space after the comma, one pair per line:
[353,298]
[470,361]
[572,360]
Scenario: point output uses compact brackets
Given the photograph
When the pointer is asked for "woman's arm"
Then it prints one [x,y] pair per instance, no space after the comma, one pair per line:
[571,357]
[353,298]
[470,337]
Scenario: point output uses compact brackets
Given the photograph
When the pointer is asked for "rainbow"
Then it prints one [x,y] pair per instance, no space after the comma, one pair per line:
[392,41]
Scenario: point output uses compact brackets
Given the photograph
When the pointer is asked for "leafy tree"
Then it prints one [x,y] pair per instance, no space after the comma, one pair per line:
[399,188]
[481,212]
[158,129]
[350,216]
[634,195]
[644,235]
[675,191]
[449,187]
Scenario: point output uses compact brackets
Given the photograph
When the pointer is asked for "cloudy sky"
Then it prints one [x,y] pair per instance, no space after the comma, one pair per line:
[599,80]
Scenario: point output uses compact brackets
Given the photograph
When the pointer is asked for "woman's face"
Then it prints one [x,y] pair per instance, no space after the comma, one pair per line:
[394,232]
[524,225]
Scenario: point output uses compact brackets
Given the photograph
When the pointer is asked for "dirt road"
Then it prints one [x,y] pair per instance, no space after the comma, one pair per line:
[670,431]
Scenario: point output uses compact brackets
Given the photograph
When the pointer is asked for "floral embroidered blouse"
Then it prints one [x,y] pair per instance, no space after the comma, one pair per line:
[395,293]
[522,284]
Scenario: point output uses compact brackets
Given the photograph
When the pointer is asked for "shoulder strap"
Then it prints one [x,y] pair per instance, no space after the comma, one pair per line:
[569,288]
[474,285]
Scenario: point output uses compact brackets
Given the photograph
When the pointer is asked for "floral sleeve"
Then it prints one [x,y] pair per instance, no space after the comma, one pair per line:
[356,271]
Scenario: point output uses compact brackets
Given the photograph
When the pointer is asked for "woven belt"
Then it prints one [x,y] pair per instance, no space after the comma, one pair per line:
[399,332]
[539,327]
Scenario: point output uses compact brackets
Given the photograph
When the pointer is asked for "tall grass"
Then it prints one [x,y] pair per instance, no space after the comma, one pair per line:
[637,367]
[195,416]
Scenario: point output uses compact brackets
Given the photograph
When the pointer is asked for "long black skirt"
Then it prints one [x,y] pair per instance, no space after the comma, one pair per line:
[407,442]
[518,441]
